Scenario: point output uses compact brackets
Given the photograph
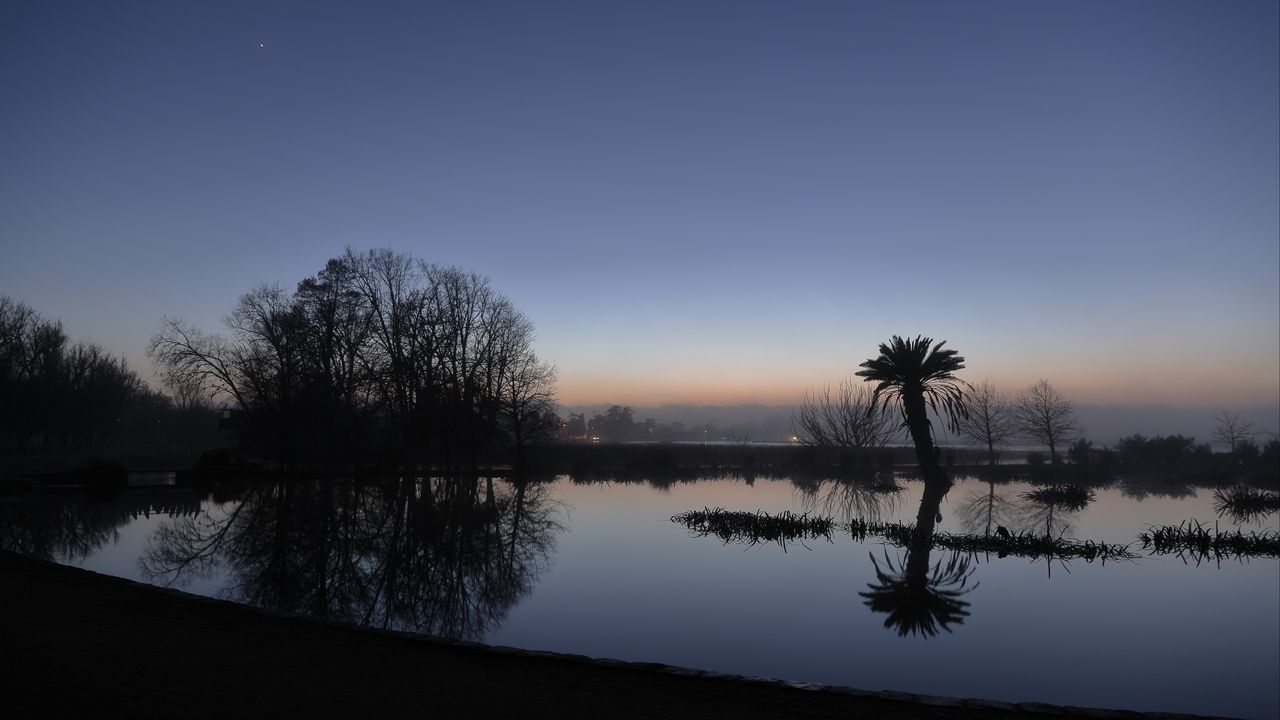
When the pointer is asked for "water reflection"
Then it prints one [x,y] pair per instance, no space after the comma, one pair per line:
[985,511]
[1050,514]
[1245,505]
[869,499]
[445,556]
[69,527]
[920,598]
[1141,484]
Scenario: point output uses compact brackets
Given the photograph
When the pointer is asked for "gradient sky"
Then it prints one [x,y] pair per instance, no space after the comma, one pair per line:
[714,202]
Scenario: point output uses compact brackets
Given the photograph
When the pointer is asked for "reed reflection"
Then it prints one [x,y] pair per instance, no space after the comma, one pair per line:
[1243,504]
[445,556]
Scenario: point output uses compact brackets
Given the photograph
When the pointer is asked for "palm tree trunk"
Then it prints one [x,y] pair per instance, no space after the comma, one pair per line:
[921,436]
[926,522]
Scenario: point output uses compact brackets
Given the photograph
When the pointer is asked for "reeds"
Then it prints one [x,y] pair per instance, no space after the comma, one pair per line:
[1026,544]
[1036,547]
[754,527]
[1191,537]
[1200,541]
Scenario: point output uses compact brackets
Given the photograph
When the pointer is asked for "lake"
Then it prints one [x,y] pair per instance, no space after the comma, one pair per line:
[601,569]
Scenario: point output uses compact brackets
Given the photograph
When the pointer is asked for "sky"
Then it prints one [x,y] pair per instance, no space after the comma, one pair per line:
[695,202]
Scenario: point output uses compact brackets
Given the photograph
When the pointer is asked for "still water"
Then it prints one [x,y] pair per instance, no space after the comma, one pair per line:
[600,569]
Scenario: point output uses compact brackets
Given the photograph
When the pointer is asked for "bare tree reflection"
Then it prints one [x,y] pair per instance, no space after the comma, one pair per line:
[983,511]
[918,597]
[446,556]
[69,527]
[852,499]
[1042,516]
[58,528]
[186,548]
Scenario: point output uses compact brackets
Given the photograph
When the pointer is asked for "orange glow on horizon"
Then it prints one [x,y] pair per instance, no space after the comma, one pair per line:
[1173,387]
[651,391]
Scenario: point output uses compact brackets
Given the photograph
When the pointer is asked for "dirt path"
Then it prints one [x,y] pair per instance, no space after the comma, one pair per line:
[77,644]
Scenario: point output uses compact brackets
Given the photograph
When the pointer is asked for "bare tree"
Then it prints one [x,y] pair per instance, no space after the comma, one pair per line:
[527,398]
[1233,431]
[845,416]
[432,356]
[1042,414]
[268,325]
[337,324]
[186,356]
[990,420]
[397,354]
[187,394]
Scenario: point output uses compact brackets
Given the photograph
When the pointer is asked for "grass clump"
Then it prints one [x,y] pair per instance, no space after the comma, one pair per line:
[751,528]
[1200,541]
[1036,547]
[1026,544]
[754,527]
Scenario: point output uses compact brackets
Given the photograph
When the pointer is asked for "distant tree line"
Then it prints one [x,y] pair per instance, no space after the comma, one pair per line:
[1040,414]
[1044,416]
[619,424]
[378,357]
[56,395]
[848,416]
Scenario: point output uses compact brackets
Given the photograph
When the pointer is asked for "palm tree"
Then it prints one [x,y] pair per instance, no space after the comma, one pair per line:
[920,377]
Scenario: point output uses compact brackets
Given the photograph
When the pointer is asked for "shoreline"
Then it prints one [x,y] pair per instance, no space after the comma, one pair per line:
[78,641]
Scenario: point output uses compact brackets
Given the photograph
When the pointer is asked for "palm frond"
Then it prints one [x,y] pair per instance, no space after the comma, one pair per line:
[918,366]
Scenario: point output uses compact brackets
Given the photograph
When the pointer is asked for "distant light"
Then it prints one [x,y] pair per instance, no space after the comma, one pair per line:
[262,45]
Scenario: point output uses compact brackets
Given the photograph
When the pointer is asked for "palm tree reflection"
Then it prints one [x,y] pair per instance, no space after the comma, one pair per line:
[921,598]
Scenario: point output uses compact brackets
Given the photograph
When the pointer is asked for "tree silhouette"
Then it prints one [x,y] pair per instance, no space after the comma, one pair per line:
[990,422]
[1232,431]
[842,417]
[920,377]
[379,354]
[1044,415]
[71,396]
